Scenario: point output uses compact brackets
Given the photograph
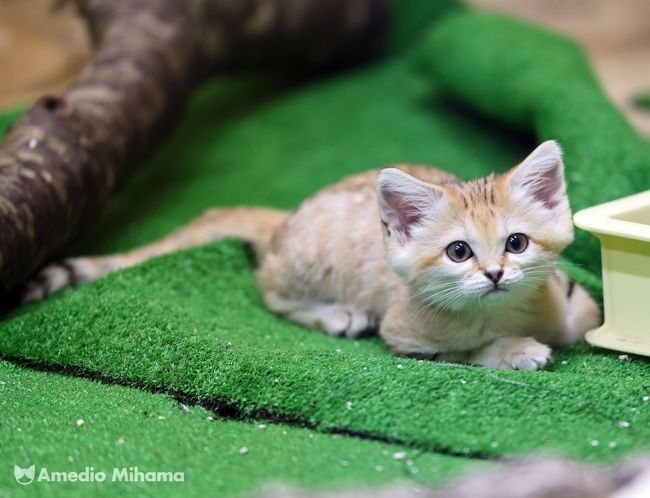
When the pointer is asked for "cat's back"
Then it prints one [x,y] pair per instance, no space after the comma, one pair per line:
[345,213]
[331,246]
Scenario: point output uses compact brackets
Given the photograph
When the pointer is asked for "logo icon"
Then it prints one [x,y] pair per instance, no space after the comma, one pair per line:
[24,476]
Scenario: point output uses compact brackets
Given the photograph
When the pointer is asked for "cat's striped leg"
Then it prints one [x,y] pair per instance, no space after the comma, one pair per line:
[581,310]
[333,318]
[583,314]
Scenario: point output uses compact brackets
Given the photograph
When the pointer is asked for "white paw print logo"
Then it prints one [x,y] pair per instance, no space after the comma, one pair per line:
[24,476]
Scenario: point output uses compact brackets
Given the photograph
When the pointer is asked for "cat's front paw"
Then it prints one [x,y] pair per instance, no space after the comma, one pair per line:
[530,356]
[513,353]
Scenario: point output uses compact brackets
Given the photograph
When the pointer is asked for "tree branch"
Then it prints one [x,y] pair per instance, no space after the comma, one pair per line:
[60,162]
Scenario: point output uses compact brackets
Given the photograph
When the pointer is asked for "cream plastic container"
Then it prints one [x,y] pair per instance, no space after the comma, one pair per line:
[623,227]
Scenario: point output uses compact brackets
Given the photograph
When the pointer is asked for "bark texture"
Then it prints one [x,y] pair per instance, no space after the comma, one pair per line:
[60,162]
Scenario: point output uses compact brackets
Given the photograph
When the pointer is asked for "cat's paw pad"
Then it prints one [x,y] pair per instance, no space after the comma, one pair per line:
[527,355]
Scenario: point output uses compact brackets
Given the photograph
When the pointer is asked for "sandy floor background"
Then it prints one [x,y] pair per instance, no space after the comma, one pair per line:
[42,49]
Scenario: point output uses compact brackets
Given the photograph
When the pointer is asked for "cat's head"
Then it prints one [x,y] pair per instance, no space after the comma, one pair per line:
[479,243]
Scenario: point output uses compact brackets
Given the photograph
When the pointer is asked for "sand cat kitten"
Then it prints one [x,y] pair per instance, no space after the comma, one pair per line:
[458,271]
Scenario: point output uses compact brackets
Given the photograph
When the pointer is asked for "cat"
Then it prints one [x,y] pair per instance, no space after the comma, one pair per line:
[460,271]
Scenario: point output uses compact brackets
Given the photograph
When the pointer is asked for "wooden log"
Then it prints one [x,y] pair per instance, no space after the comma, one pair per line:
[60,162]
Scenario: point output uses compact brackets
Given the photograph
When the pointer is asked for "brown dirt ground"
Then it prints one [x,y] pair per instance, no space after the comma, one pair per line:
[41,50]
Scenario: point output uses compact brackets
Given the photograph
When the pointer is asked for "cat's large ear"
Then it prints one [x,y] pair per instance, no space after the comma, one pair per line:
[404,202]
[541,176]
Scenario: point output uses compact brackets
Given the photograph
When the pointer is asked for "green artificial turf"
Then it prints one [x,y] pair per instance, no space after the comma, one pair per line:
[193,322]
[643,100]
[124,427]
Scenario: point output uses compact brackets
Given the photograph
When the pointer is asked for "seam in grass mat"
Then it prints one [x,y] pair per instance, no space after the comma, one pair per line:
[226,410]
[123,427]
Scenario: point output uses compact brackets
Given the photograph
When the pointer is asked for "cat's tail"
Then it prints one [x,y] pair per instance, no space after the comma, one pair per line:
[255,225]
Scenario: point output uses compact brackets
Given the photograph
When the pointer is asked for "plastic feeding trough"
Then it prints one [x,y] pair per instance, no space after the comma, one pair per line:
[623,227]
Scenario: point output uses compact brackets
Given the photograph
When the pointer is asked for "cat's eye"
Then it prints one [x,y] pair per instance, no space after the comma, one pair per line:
[516,243]
[459,251]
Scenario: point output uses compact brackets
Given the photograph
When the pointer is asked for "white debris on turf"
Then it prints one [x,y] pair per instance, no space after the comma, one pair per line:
[612,444]
[243,450]
[646,398]
[70,459]
[623,424]
[494,444]
[210,418]
[399,455]
[120,440]
[348,405]
[161,417]
[344,463]
[185,409]
[261,426]
[595,442]
[80,422]
[400,366]
[623,357]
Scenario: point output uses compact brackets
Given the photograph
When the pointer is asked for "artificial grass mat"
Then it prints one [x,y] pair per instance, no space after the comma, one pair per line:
[193,322]
[643,100]
[125,427]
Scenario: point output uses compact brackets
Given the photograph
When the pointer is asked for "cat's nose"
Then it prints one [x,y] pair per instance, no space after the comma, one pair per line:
[494,275]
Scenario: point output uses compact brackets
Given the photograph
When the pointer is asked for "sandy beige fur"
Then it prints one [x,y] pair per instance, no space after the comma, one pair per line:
[371,250]
[521,478]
